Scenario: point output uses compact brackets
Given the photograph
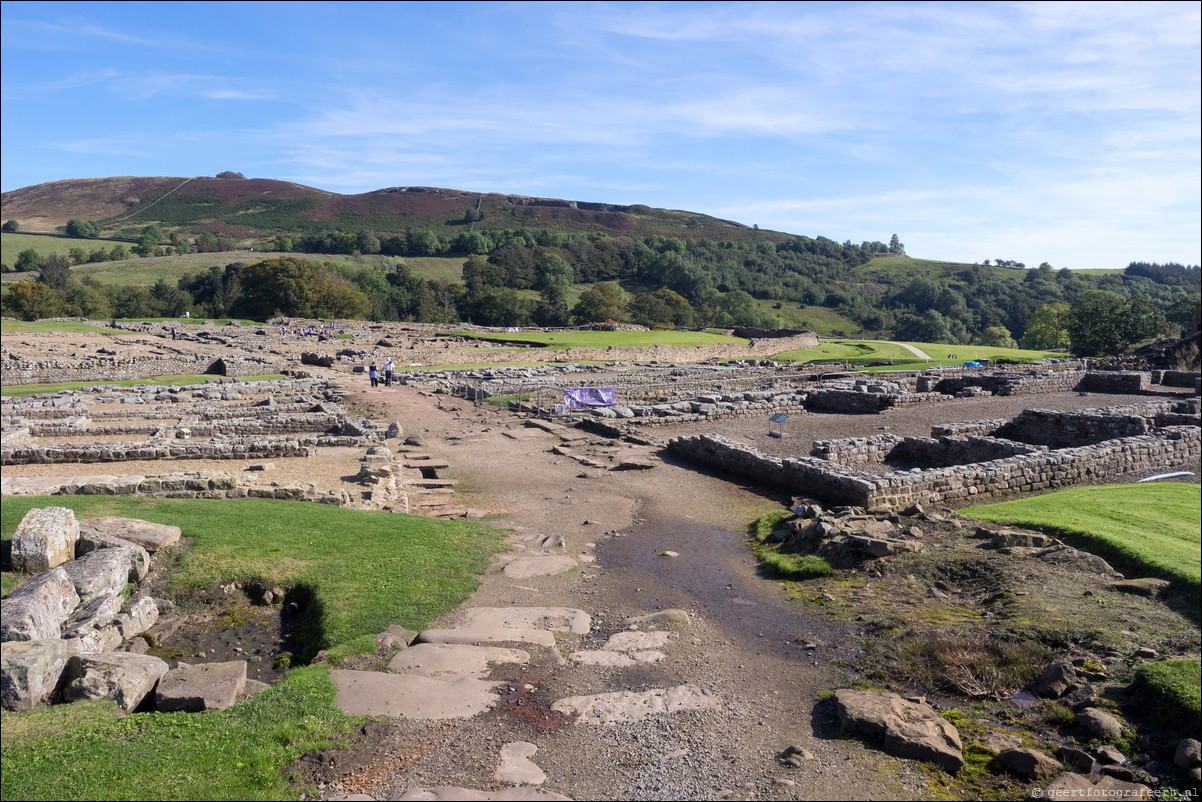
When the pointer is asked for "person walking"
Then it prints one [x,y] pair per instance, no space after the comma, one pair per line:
[388,368]
[373,373]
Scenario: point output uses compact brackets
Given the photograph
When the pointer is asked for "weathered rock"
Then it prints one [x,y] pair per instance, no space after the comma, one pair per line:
[374,693]
[1068,557]
[119,677]
[1030,763]
[37,609]
[906,729]
[96,613]
[1145,586]
[103,572]
[1079,759]
[96,641]
[208,686]
[1011,538]
[1056,680]
[449,662]
[1001,741]
[636,641]
[31,671]
[1108,755]
[45,538]
[1188,754]
[141,616]
[394,431]
[394,636]
[1100,724]
[148,535]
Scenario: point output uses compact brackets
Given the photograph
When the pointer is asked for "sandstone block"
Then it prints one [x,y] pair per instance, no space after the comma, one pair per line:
[141,616]
[1030,763]
[30,671]
[1100,724]
[101,573]
[209,686]
[121,677]
[96,613]
[37,609]
[45,538]
[148,535]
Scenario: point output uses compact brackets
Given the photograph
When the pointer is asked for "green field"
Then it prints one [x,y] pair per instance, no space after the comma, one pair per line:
[366,570]
[822,320]
[11,245]
[865,353]
[604,339]
[55,326]
[1151,529]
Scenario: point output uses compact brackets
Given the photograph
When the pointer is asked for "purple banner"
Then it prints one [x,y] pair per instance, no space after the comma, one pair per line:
[577,397]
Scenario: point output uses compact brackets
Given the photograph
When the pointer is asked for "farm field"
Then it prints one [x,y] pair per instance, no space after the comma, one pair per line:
[11,245]
[821,320]
[1152,527]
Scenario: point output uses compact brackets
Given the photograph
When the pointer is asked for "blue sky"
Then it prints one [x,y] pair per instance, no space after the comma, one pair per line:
[1067,133]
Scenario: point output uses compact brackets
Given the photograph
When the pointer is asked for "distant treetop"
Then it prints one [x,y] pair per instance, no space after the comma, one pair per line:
[230,174]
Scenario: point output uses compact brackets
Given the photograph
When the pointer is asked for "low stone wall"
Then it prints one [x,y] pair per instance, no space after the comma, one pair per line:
[119,368]
[1069,429]
[246,448]
[1130,382]
[1180,378]
[872,450]
[1174,447]
[275,425]
[1014,382]
[946,451]
[984,428]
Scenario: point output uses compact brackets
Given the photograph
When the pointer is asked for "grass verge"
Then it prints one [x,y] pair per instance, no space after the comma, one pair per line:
[1172,690]
[167,381]
[1150,528]
[783,564]
[87,751]
[365,570]
[879,355]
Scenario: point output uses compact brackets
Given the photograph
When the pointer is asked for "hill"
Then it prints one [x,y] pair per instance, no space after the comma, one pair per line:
[248,209]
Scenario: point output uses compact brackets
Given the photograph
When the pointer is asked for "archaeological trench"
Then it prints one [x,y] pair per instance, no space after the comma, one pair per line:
[68,635]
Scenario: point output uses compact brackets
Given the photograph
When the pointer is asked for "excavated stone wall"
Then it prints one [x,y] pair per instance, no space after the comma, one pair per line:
[1172,447]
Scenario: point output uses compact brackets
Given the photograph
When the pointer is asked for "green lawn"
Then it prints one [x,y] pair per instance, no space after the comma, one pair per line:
[366,569]
[604,339]
[1149,529]
[169,381]
[50,327]
[861,353]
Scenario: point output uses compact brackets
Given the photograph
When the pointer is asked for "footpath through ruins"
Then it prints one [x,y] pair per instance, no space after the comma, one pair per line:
[627,646]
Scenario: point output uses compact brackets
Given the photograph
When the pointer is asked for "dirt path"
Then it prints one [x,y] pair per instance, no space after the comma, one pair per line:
[917,352]
[746,643]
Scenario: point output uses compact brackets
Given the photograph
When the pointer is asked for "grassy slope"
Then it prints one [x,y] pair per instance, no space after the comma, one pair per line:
[1151,528]
[367,570]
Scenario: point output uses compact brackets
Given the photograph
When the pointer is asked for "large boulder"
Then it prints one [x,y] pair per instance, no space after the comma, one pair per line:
[1100,724]
[31,671]
[45,538]
[37,609]
[1030,763]
[120,677]
[1056,680]
[148,535]
[101,573]
[193,689]
[906,729]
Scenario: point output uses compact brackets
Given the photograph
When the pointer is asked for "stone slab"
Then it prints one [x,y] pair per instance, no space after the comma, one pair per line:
[540,637]
[516,766]
[373,693]
[451,793]
[31,670]
[148,535]
[44,539]
[196,688]
[538,565]
[560,619]
[38,608]
[120,677]
[624,707]
[448,661]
